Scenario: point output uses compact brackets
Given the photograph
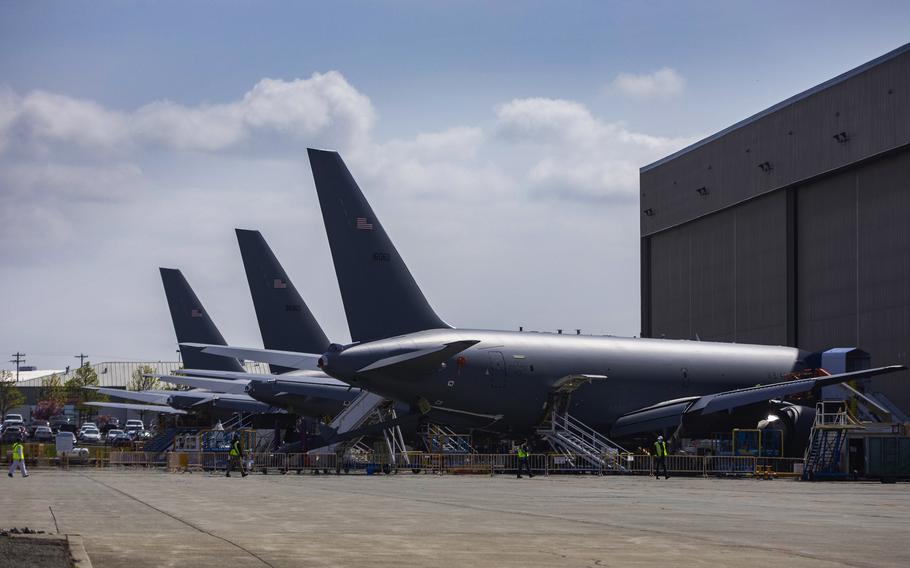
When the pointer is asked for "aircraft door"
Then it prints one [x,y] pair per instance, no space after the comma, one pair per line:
[496,369]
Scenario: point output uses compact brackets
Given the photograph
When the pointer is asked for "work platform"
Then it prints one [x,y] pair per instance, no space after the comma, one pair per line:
[140,519]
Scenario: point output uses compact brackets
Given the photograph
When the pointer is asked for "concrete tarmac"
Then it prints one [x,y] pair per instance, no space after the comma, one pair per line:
[143,519]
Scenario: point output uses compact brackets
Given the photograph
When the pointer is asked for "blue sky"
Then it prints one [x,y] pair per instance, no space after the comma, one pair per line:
[133,134]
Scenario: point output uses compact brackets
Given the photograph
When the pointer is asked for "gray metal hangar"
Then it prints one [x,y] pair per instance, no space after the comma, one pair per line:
[791,227]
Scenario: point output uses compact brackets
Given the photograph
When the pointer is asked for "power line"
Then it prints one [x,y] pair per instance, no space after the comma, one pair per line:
[19,358]
[81,357]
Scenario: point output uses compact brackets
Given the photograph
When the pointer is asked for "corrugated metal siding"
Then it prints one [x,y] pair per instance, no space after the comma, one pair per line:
[723,278]
[854,276]
[119,373]
[797,140]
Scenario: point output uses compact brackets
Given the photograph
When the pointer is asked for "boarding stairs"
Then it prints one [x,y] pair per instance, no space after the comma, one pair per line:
[238,421]
[822,459]
[367,409]
[578,443]
[442,439]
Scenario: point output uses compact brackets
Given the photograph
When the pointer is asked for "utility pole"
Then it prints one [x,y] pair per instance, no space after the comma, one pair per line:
[82,357]
[19,358]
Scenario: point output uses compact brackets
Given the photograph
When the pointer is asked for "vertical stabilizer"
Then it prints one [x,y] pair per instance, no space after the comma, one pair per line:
[285,321]
[192,324]
[381,298]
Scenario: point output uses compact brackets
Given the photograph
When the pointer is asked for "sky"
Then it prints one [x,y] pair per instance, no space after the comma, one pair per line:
[498,142]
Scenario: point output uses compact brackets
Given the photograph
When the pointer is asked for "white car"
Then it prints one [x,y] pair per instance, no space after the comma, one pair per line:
[90,435]
[134,425]
[16,417]
[112,435]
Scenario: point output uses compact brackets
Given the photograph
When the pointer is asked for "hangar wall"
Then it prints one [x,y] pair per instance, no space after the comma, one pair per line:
[791,227]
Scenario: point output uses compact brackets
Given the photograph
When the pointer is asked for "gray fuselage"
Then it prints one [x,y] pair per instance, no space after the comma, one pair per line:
[514,373]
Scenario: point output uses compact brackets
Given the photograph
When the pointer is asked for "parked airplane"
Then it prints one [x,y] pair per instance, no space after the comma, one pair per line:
[510,380]
[309,393]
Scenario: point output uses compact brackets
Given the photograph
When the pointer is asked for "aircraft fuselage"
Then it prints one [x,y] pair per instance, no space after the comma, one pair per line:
[514,373]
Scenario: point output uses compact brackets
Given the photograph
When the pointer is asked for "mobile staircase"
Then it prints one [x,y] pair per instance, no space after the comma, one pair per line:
[581,446]
[823,455]
[366,410]
[439,439]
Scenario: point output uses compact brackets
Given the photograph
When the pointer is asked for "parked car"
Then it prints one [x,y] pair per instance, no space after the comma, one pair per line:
[142,436]
[43,434]
[17,417]
[112,434]
[63,423]
[88,425]
[90,435]
[13,433]
[122,439]
[111,424]
[134,425]
[12,420]
[35,424]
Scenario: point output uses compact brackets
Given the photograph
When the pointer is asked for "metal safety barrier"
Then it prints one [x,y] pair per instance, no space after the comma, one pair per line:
[441,463]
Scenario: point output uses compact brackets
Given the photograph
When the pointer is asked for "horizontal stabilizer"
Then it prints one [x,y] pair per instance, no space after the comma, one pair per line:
[151,397]
[309,377]
[419,361]
[213,385]
[669,414]
[289,359]
[236,404]
[137,407]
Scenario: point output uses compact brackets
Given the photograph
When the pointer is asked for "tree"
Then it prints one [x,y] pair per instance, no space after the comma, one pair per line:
[52,389]
[47,409]
[143,379]
[85,376]
[10,395]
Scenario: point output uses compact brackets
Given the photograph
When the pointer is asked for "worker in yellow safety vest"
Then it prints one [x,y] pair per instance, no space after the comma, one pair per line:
[18,459]
[660,452]
[523,464]
[235,458]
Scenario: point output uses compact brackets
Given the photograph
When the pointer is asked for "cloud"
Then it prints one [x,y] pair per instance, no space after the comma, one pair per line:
[323,107]
[578,156]
[94,199]
[661,84]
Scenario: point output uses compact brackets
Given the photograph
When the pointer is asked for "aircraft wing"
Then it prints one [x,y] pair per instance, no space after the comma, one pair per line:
[420,360]
[670,413]
[137,407]
[289,359]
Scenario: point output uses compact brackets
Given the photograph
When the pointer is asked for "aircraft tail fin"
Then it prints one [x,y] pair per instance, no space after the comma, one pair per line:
[285,321]
[192,324]
[381,298]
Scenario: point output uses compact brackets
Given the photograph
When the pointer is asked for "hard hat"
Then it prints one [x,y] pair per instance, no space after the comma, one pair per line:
[660,437]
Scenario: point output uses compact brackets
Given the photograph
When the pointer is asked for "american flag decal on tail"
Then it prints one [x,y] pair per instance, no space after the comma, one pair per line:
[279,283]
[363,224]
[196,313]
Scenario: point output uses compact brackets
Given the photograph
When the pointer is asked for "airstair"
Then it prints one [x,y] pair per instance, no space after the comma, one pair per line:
[439,439]
[581,445]
[365,410]
[823,457]
[238,421]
